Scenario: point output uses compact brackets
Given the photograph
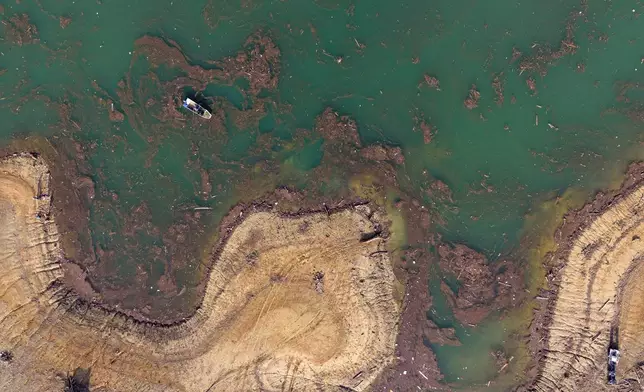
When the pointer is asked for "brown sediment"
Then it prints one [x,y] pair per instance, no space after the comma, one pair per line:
[431,82]
[532,84]
[472,100]
[206,185]
[581,67]
[380,152]
[484,287]
[212,12]
[481,187]
[334,127]
[440,191]
[544,56]
[65,21]
[19,31]
[244,119]
[261,325]
[428,132]
[208,14]
[623,88]
[416,366]
[635,111]
[516,54]
[115,115]
[594,288]
[258,63]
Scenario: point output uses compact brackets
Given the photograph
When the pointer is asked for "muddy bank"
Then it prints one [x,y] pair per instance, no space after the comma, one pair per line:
[416,365]
[592,288]
[98,275]
[165,281]
[328,321]
[73,193]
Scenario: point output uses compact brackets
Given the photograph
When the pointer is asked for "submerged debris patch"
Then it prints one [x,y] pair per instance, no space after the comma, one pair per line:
[532,84]
[484,287]
[543,55]
[257,63]
[428,132]
[380,152]
[334,127]
[19,31]
[497,86]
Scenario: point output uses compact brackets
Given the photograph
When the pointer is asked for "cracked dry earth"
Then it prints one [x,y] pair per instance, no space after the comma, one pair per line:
[602,286]
[265,322]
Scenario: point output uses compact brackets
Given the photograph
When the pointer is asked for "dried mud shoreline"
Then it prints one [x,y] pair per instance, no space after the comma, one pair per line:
[234,218]
[593,289]
[301,301]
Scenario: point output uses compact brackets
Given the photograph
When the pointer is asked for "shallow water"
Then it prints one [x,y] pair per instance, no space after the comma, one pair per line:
[590,142]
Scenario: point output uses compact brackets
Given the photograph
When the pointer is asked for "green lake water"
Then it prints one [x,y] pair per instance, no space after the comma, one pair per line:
[461,42]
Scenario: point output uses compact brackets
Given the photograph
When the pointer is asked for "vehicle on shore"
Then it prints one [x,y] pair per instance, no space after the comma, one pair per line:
[613,359]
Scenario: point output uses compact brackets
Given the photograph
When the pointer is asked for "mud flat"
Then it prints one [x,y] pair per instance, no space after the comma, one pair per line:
[293,303]
[597,278]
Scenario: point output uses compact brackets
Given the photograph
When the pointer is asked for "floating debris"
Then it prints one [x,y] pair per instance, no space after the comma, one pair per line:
[64,22]
[432,82]
[360,45]
[472,100]
[544,56]
[532,84]
[497,85]
[19,31]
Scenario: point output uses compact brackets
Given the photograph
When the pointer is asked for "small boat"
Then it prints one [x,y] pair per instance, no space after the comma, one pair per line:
[196,108]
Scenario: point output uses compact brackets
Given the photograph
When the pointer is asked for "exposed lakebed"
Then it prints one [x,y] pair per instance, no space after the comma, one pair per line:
[459,118]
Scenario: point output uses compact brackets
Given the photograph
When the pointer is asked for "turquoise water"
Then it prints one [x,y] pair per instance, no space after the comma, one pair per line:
[148,172]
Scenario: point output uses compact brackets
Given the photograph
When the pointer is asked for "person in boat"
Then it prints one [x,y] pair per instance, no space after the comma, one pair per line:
[194,107]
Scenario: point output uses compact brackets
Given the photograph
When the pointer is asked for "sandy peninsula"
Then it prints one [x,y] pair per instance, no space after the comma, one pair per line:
[293,303]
